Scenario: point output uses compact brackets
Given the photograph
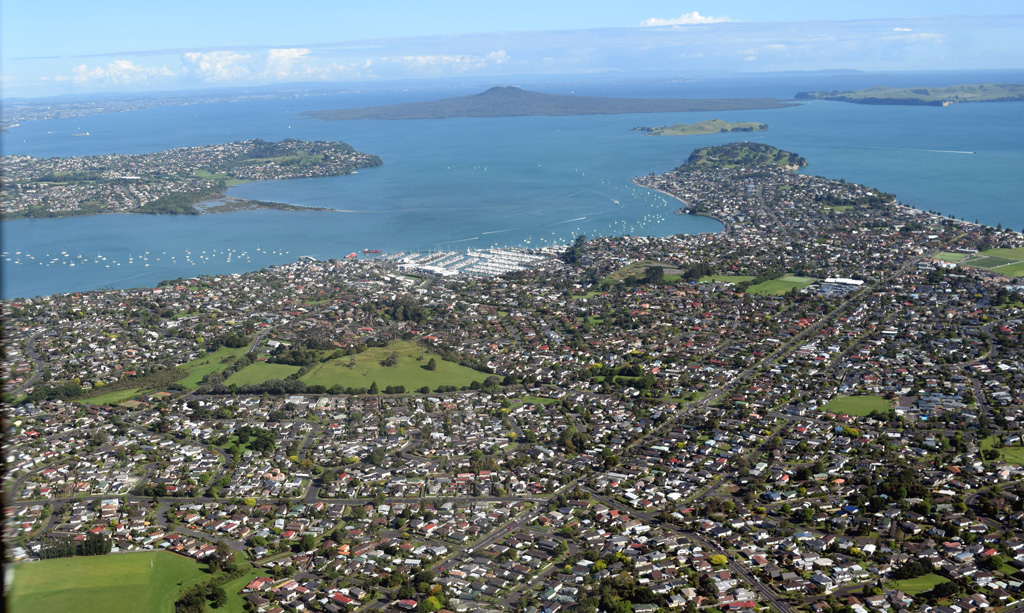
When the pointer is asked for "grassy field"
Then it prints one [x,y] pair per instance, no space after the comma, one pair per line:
[857,405]
[777,287]
[204,174]
[258,372]
[1010,270]
[113,398]
[1013,454]
[1009,262]
[1017,253]
[148,581]
[989,262]
[726,278]
[409,371]
[918,585]
[947,256]
[635,270]
[209,363]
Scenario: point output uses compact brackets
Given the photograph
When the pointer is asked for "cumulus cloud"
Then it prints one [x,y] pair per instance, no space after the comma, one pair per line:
[118,72]
[684,19]
[217,65]
[281,63]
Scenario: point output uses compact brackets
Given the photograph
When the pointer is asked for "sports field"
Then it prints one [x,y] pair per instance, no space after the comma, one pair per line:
[726,278]
[918,585]
[777,287]
[147,581]
[860,406]
[1009,262]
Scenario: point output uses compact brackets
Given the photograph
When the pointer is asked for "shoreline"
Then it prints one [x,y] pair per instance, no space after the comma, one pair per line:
[726,228]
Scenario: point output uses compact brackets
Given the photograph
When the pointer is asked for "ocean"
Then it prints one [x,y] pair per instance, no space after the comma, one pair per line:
[520,181]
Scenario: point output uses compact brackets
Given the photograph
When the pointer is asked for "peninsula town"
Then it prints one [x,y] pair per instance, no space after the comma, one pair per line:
[817,410]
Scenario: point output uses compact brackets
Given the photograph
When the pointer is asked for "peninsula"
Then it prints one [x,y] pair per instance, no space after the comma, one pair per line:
[167,182]
[516,102]
[820,404]
[711,126]
[924,96]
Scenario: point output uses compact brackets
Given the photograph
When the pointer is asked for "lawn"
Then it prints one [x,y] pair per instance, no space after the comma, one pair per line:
[947,256]
[918,585]
[726,278]
[235,602]
[860,406]
[410,370]
[113,398]
[777,287]
[209,363]
[258,372]
[1013,454]
[149,581]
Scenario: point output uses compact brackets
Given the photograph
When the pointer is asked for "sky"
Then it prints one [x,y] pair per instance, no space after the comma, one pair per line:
[69,46]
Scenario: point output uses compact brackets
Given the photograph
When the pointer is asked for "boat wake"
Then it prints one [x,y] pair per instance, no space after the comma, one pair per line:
[921,150]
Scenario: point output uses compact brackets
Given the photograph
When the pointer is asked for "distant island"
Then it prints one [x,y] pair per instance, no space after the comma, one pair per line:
[924,96]
[516,102]
[711,126]
[741,155]
[170,182]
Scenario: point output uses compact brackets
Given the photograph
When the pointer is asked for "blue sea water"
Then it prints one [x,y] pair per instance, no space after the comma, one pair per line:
[523,181]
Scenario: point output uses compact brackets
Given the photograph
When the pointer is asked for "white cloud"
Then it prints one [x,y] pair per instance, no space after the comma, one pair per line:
[684,19]
[902,29]
[460,63]
[750,58]
[281,63]
[217,65]
[118,72]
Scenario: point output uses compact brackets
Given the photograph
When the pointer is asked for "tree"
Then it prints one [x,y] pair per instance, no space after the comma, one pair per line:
[429,605]
[307,542]
[654,275]
[374,390]
[218,596]
[431,365]
[718,560]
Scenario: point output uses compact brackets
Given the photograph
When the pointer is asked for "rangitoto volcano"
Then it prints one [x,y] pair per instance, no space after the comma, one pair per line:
[516,102]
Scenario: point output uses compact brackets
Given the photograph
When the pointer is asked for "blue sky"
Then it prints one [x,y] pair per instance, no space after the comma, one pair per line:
[65,46]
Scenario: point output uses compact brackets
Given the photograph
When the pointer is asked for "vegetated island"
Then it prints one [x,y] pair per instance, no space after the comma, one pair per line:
[170,182]
[744,154]
[711,126]
[516,102]
[924,96]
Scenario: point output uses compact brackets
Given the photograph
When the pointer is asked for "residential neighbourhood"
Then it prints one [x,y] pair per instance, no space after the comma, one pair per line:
[818,409]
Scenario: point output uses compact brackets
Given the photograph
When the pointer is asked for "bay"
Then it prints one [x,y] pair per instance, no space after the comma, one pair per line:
[468,183]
